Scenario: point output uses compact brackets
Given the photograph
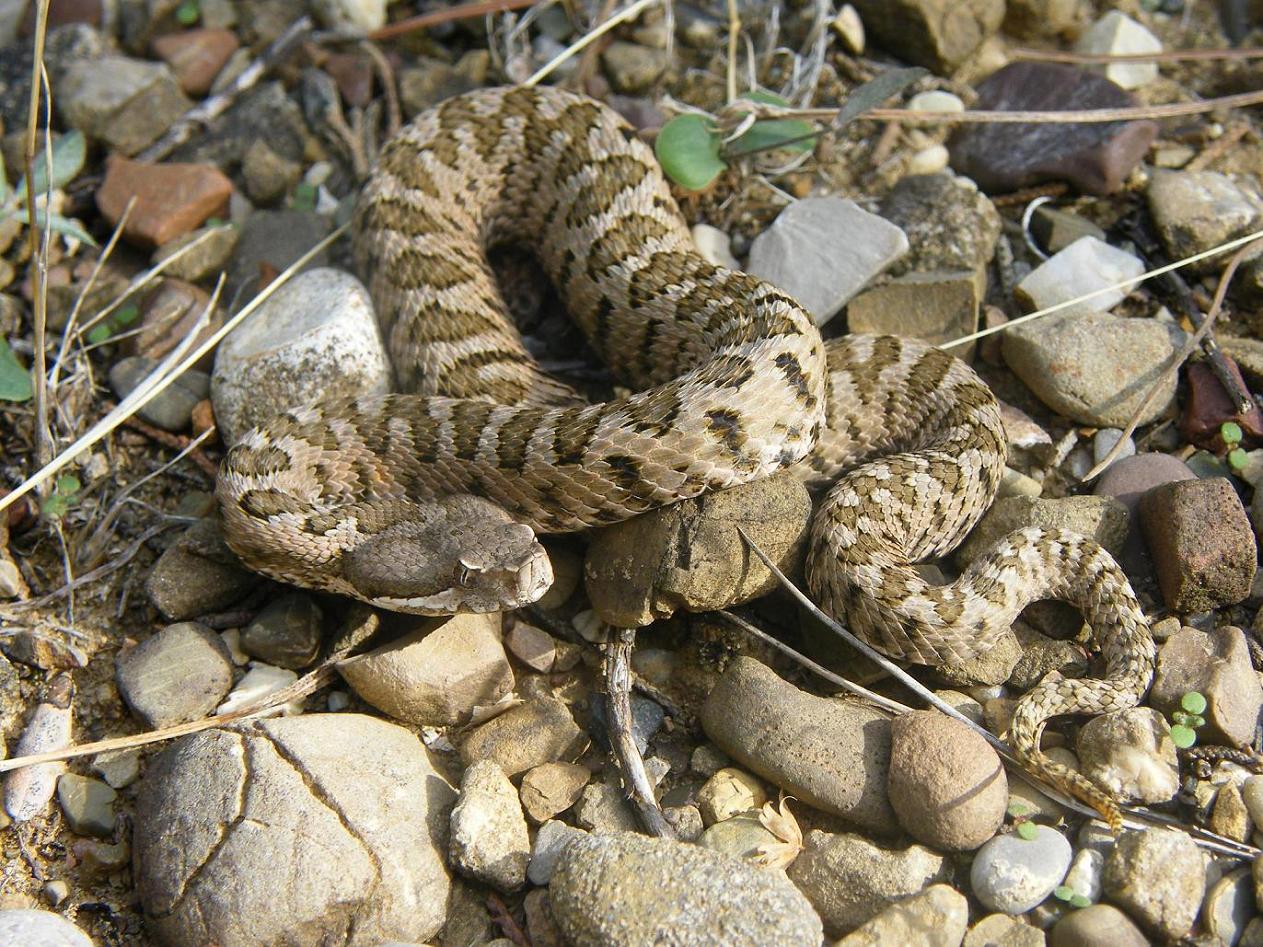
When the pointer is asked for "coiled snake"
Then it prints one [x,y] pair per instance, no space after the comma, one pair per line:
[429,501]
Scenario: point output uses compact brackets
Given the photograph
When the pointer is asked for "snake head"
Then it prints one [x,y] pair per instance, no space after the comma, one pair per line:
[455,554]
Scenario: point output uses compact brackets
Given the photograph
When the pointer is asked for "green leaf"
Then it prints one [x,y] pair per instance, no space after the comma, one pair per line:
[1231,433]
[688,150]
[58,224]
[69,153]
[1080,901]
[15,381]
[115,323]
[1183,736]
[304,197]
[1238,458]
[876,91]
[1063,892]
[1193,702]
[188,13]
[1027,830]
[766,134]
[65,493]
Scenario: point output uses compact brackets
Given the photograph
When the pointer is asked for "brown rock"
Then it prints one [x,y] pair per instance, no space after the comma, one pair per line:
[538,731]
[1202,544]
[551,788]
[1216,665]
[937,34]
[167,315]
[1208,406]
[947,785]
[353,73]
[1100,925]
[938,307]
[171,199]
[196,56]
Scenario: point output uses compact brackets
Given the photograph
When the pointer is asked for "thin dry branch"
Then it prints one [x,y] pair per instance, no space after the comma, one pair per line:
[38,246]
[591,36]
[1173,55]
[465,11]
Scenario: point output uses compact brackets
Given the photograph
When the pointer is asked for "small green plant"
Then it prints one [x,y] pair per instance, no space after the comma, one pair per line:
[1231,434]
[69,154]
[304,197]
[1187,719]
[188,13]
[1068,895]
[64,496]
[1028,830]
[113,324]
[15,381]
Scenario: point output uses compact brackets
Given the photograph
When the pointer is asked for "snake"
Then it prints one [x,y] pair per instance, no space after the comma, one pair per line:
[431,499]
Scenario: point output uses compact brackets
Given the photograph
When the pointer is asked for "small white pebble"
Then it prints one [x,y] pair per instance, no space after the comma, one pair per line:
[935,100]
[261,680]
[929,160]
[712,243]
[850,29]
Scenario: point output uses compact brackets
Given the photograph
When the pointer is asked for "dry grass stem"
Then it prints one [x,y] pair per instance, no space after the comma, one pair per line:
[1174,55]
[38,246]
[465,11]
[587,38]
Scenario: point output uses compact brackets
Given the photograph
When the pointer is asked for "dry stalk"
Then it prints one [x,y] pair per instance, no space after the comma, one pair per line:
[38,246]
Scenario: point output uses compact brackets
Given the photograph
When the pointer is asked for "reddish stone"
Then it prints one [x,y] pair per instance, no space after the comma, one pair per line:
[354,75]
[171,199]
[1208,407]
[196,56]
[64,12]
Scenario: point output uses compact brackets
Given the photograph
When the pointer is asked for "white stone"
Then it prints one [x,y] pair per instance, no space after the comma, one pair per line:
[824,250]
[258,682]
[358,15]
[33,928]
[713,244]
[1086,266]
[315,338]
[850,29]
[929,160]
[1104,440]
[935,100]
[1012,874]
[1117,34]
[1085,872]
[489,839]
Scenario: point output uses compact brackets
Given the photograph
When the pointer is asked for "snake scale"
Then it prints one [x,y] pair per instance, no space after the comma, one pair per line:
[732,382]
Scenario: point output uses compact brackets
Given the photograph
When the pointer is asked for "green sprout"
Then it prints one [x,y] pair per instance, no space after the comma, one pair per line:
[1071,897]
[1187,719]
[188,13]
[113,324]
[1028,830]
[65,494]
[15,381]
[304,197]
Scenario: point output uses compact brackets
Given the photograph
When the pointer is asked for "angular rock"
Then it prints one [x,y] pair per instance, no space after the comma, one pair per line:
[552,788]
[538,731]
[938,306]
[171,409]
[489,840]
[1197,210]
[1116,34]
[1094,368]
[266,112]
[627,890]
[603,809]
[949,223]
[947,785]
[177,675]
[1130,753]
[167,316]
[689,556]
[1217,665]
[824,250]
[270,241]
[87,804]
[550,841]
[829,754]
[219,811]
[1012,874]
[171,199]
[1202,544]
[937,917]
[937,34]
[1086,266]
[533,646]
[286,633]
[435,678]
[1158,877]
[214,247]
[1095,158]
[727,793]
[849,879]
[315,338]
[196,56]
[127,103]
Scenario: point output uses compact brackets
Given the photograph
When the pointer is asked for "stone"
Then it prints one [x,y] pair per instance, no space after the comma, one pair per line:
[627,889]
[1094,368]
[1127,480]
[435,677]
[1158,877]
[1086,266]
[1252,796]
[830,754]
[1229,906]
[286,632]
[262,680]
[1197,210]
[689,556]
[1116,34]
[179,674]
[125,103]
[742,836]
[431,81]
[549,789]
[646,717]
[210,255]
[603,809]
[168,314]
[1001,930]
[1230,817]
[87,804]
[266,112]
[239,801]
[197,574]
[1130,753]
[1100,925]
[270,241]
[713,244]
[119,768]
[947,785]
[850,879]
[1095,158]
[35,928]
[196,56]
[1102,519]
[1084,876]
[533,646]
[949,223]
[268,176]
[633,69]
[1012,874]
[171,409]
[728,793]
[1202,544]
[27,791]
[171,199]
[992,666]
[356,16]
[550,841]
[824,250]
[316,338]
[1037,19]
[538,731]
[1207,406]
[937,34]
[936,917]
[1056,229]
[939,307]
[489,841]
[1216,665]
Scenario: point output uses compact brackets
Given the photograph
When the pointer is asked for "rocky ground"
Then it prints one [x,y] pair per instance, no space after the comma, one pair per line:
[454,782]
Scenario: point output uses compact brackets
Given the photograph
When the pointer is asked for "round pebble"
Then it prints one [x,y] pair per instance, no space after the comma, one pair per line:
[1012,875]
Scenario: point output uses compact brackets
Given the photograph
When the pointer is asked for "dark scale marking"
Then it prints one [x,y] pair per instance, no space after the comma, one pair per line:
[726,426]
[792,369]
[423,430]
[624,471]
[571,440]
[468,420]
[258,461]
[265,503]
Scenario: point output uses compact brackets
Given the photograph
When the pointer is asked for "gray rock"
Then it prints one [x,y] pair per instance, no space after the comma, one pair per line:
[1013,875]
[268,176]
[28,790]
[286,633]
[315,338]
[1001,930]
[991,667]
[1158,877]
[1086,266]
[171,409]
[1094,368]
[1196,210]
[214,248]
[949,223]
[603,808]
[1057,229]
[538,731]
[727,793]
[937,917]
[1229,906]
[647,716]
[33,928]
[947,785]
[849,879]
[266,112]
[742,836]
[632,68]
[87,804]
[550,841]
[431,81]
[1217,665]
[689,555]
[1101,925]
[119,768]
[938,306]
[1116,34]
[197,574]
[1127,480]
[126,103]
[829,754]
[435,677]
[824,250]
[357,15]
[628,889]
[1130,752]
[552,788]
[533,646]
[937,34]
[219,811]
[1084,876]
[177,675]
[489,840]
